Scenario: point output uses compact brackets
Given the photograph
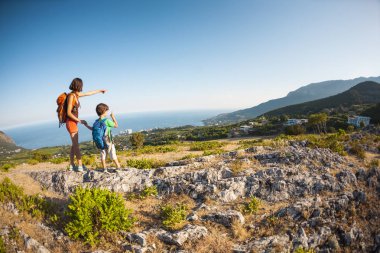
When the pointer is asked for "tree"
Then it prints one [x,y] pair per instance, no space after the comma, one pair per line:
[318,122]
[137,140]
[295,130]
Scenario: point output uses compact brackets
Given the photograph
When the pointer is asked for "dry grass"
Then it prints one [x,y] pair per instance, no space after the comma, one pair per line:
[216,241]
[25,223]
[239,232]
[158,245]
[239,165]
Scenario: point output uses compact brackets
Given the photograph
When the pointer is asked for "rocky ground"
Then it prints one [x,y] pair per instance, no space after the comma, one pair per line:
[310,198]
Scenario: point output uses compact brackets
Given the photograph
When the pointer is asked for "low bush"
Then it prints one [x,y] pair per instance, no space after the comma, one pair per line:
[302,250]
[32,162]
[2,245]
[58,160]
[205,145]
[213,152]
[41,156]
[144,163]
[34,205]
[89,160]
[149,191]
[156,149]
[357,150]
[6,167]
[250,143]
[374,163]
[95,212]
[252,206]
[295,130]
[190,156]
[173,216]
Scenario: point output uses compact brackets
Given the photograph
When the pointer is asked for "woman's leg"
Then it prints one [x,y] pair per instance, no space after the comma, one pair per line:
[75,146]
[72,156]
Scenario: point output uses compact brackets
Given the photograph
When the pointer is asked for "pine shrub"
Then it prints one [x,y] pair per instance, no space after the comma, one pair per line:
[252,206]
[94,212]
[172,216]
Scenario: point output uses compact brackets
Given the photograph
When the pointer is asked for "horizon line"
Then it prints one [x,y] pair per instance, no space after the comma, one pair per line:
[122,113]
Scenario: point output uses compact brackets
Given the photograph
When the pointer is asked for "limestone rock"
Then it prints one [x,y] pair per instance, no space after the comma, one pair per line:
[225,218]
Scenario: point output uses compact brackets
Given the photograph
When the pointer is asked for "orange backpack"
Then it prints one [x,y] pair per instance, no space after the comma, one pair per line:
[62,108]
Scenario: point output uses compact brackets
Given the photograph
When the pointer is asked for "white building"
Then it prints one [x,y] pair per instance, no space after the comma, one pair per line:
[245,128]
[357,120]
[292,122]
[126,131]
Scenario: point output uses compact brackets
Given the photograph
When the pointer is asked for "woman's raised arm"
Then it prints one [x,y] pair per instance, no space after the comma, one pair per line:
[89,93]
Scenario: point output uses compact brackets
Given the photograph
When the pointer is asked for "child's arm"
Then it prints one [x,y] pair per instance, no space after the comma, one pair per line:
[86,125]
[114,120]
[89,93]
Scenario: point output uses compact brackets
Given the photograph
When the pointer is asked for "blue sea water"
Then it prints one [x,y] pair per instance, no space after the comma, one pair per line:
[48,134]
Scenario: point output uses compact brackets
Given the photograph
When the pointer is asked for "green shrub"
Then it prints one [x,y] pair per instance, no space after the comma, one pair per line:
[32,161]
[34,205]
[205,145]
[295,130]
[10,192]
[252,206]
[89,160]
[95,212]
[137,140]
[302,250]
[149,191]
[190,156]
[6,167]
[156,149]
[374,163]
[213,152]
[145,163]
[58,160]
[350,128]
[357,149]
[41,157]
[2,245]
[173,216]
[250,143]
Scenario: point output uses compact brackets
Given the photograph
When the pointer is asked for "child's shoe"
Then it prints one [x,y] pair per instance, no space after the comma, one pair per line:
[71,168]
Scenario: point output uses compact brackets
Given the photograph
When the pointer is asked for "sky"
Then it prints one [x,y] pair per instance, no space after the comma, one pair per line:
[178,55]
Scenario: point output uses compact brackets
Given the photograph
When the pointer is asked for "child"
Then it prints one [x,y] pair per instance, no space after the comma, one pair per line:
[101,110]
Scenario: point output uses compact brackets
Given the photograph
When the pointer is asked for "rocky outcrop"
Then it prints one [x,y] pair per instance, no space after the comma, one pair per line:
[318,189]
[295,171]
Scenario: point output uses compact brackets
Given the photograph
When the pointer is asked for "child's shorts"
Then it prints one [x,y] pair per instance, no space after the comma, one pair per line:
[111,151]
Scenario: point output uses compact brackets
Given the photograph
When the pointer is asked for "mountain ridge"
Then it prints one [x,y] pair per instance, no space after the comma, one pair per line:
[309,92]
[363,93]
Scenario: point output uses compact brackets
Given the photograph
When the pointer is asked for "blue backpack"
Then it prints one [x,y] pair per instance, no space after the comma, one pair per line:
[99,133]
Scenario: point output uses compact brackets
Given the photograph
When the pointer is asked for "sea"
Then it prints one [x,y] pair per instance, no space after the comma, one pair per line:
[48,134]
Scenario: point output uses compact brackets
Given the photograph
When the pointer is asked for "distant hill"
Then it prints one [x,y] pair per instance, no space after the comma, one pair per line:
[364,93]
[7,143]
[304,94]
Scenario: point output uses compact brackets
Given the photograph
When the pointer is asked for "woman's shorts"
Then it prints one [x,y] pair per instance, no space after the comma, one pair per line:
[72,126]
[111,151]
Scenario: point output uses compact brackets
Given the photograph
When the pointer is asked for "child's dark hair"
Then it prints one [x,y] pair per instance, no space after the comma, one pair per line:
[101,108]
[76,85]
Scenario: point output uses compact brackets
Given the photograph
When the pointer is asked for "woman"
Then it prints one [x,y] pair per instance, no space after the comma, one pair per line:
[72,121]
